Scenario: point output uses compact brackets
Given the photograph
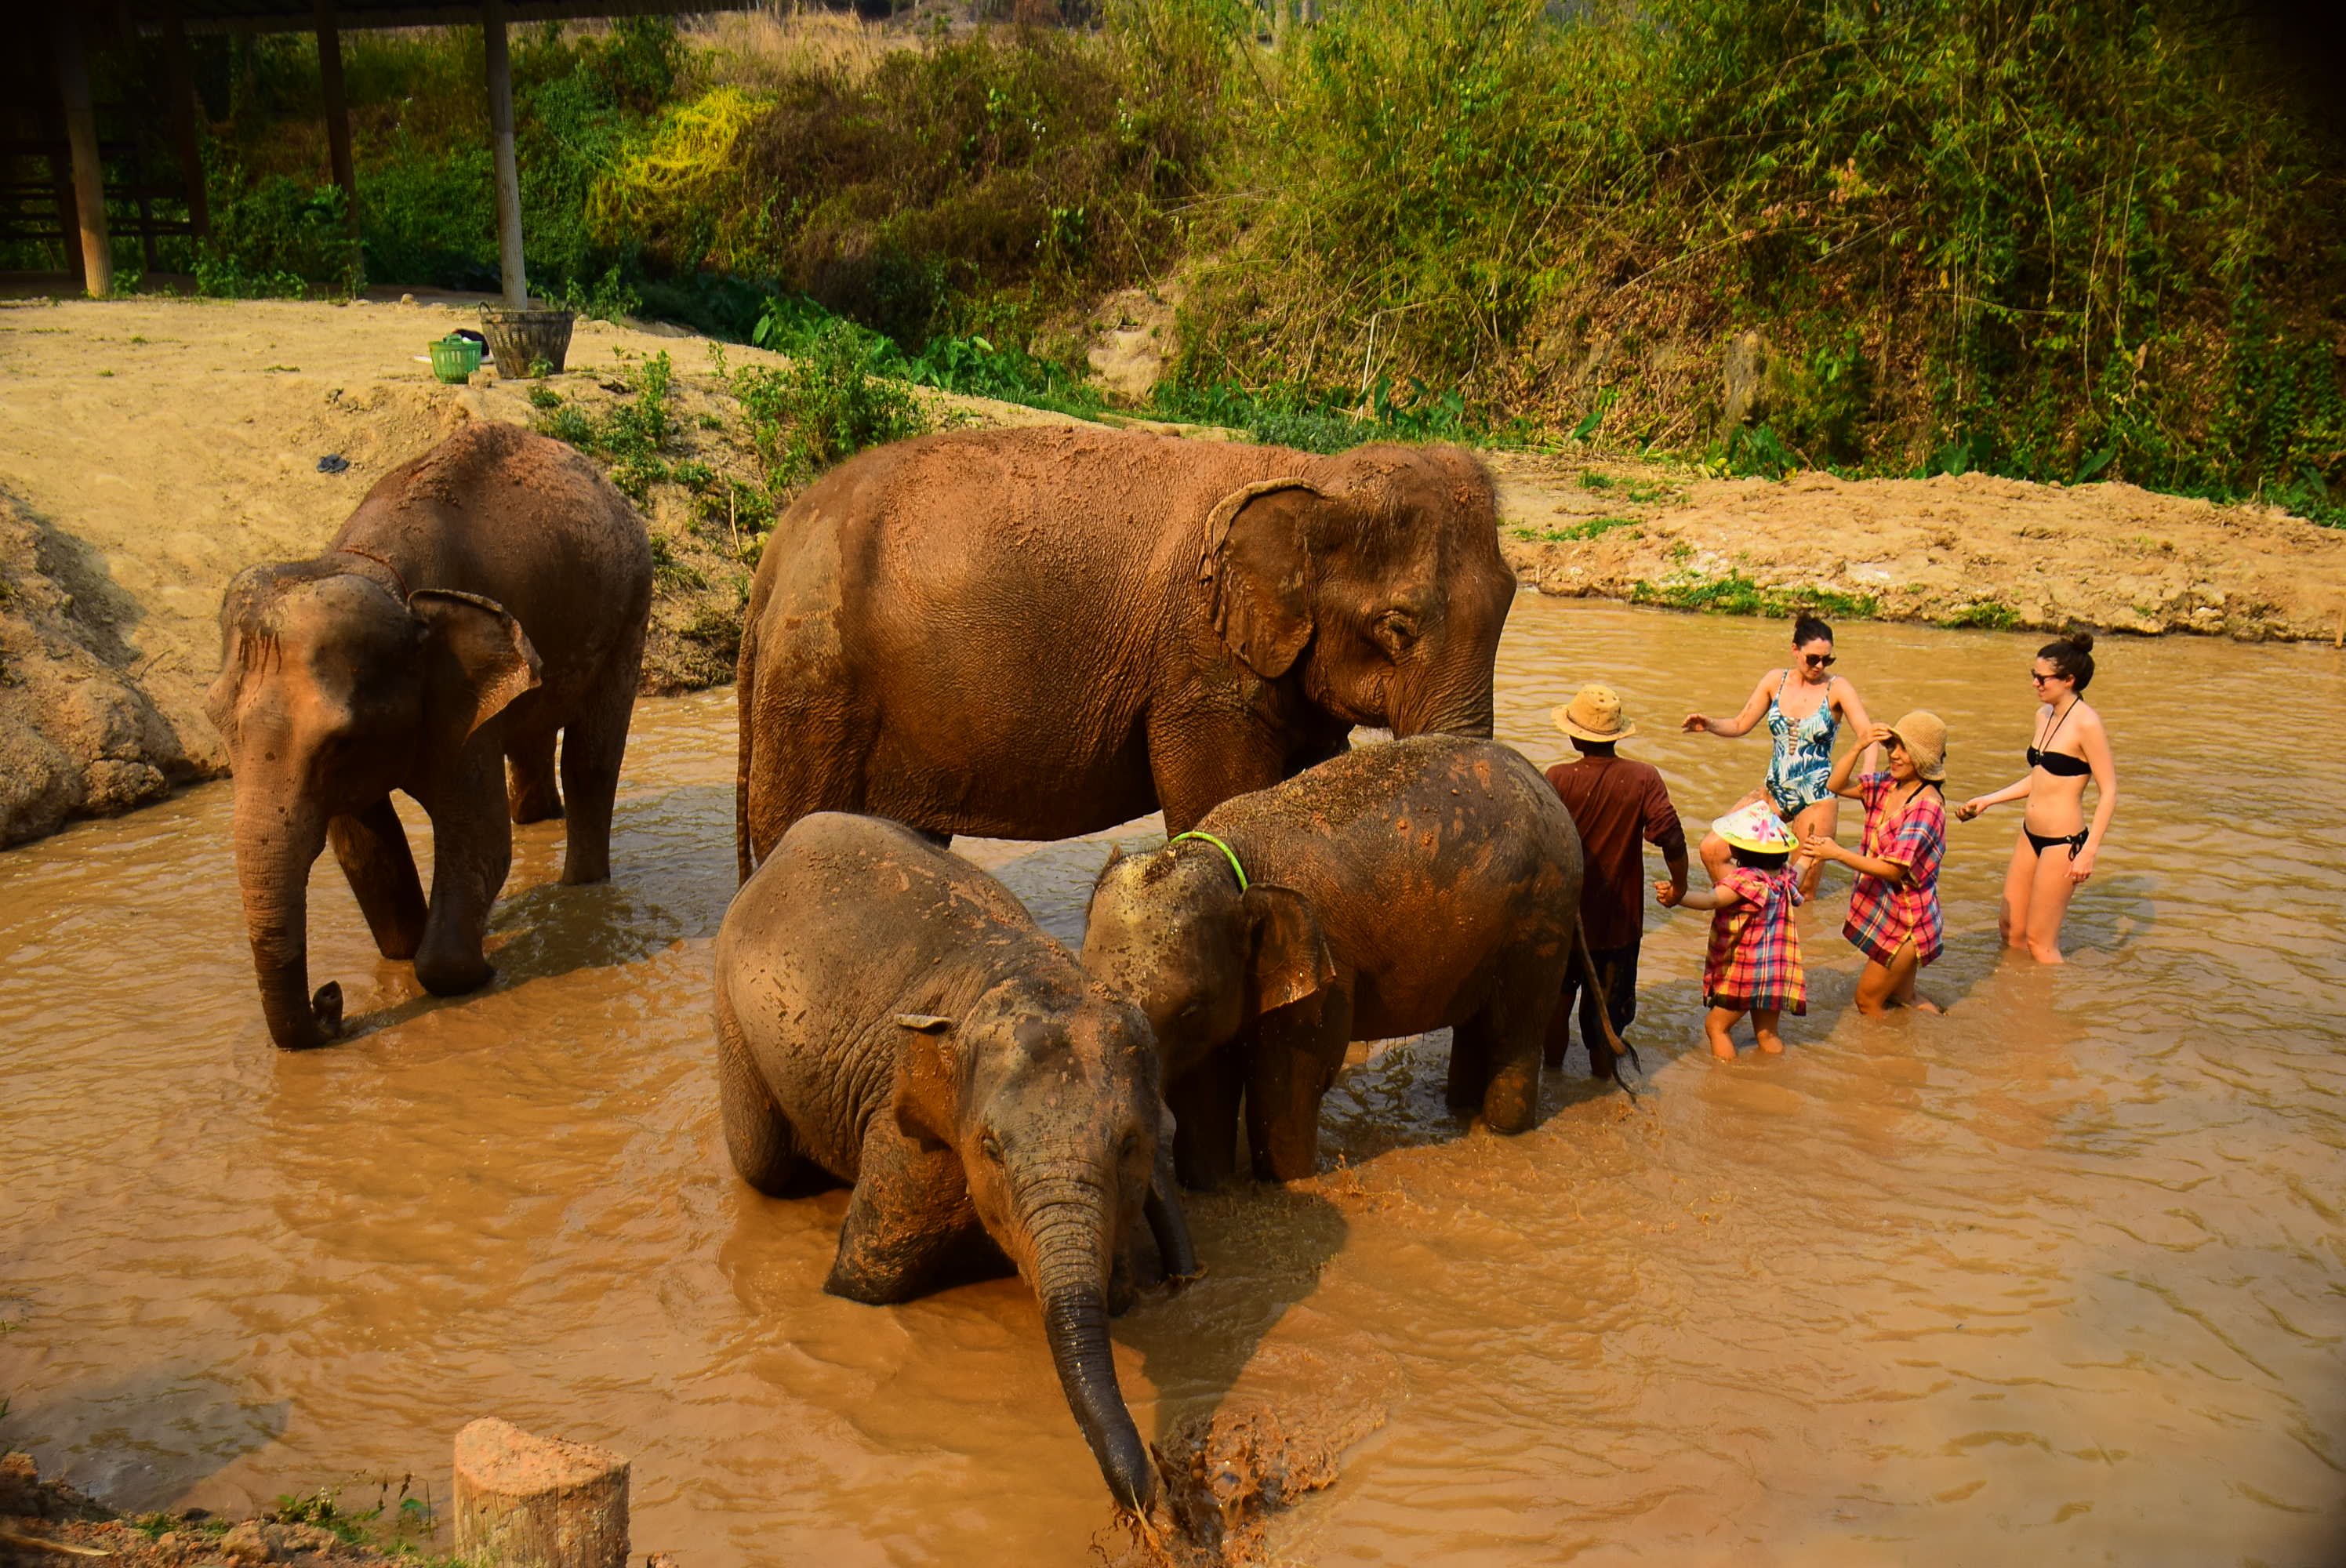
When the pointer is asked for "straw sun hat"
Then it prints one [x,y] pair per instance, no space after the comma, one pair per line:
[1594,714]
[1924,734]
[1756,826]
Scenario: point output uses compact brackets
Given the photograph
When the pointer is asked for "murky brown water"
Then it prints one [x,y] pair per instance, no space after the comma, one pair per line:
[2056,1278]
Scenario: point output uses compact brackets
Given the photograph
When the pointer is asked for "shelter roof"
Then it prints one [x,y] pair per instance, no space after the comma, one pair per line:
[301,15]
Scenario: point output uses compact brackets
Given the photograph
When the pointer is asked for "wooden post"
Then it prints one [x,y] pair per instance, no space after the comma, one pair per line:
[338,114]
[524,1501]
[181,85]
[81,134]
[500,137]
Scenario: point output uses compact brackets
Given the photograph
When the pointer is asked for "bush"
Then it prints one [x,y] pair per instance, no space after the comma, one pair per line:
[824,408]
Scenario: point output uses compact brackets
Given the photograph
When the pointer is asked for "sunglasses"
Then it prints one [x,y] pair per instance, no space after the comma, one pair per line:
[2041,680]
[1817,661]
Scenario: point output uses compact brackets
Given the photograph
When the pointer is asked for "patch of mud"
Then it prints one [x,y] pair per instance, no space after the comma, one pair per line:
[1955,550]
[78,738]
[1230,1475]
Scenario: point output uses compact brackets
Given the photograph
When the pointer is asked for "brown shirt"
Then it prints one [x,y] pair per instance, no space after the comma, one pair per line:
[1615,802]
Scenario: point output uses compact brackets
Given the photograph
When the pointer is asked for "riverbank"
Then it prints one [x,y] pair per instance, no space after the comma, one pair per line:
[150,448]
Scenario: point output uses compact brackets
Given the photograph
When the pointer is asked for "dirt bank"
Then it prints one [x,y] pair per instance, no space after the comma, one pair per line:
[1964,550]
[149,448]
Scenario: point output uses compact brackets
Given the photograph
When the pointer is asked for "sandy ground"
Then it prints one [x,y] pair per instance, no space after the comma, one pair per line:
[150,448]
[1968,550]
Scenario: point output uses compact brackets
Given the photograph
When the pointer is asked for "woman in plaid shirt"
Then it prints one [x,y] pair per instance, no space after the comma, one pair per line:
[1894,911]
[1754,962]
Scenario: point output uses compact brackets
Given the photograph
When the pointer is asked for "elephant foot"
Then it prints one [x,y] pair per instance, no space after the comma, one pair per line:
[324,1022]
[1511,1104]
[453,976]
[586,871]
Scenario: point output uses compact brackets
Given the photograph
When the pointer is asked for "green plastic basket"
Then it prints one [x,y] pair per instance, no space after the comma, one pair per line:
[455,358]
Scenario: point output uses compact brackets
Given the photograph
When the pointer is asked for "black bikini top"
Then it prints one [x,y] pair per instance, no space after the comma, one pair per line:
[2060,764]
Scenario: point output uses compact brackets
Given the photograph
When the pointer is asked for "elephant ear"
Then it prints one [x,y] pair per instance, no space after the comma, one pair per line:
[1289,961]
[1257,569]
[922,1097]
[477,660]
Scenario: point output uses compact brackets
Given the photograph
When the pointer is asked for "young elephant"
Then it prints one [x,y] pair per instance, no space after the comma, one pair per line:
[889,1016]
[1387,891]
[483,597]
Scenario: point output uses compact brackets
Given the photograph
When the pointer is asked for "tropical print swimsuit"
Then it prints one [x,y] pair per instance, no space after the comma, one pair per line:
[1800,771]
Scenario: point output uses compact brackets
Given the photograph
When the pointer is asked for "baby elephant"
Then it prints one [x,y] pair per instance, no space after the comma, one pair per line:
[483,597]
[889,1016]
[1387,891]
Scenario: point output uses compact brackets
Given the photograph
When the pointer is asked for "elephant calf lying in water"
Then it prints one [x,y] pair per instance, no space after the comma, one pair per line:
[889,1016]
[1389,890]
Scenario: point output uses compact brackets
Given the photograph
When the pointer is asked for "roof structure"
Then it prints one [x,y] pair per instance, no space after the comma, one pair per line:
[302,15]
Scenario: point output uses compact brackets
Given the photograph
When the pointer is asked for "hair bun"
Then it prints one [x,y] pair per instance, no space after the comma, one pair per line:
[2081,639]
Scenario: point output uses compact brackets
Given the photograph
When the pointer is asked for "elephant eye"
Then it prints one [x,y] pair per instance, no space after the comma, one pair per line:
[1397,629]
[1128,1146]
[991,1148]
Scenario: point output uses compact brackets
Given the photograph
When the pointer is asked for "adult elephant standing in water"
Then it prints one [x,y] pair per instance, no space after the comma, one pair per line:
[483,597]
[1034,634]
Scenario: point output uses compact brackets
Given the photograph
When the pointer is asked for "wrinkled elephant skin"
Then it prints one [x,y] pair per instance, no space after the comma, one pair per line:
[889,1016]
[1032,634]
[484,599]
[1392,889]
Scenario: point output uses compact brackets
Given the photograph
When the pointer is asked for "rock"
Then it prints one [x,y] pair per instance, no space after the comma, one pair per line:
[1138,338]
[249,1542]
[524,1501]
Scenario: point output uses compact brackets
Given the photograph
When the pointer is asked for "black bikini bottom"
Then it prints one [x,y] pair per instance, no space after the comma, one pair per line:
[2039,842]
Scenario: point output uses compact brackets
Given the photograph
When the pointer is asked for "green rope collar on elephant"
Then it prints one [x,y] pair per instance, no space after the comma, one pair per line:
[1228,854]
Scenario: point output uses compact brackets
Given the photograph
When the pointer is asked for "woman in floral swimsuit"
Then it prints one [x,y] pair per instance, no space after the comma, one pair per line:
[1894,911]
[1804,705]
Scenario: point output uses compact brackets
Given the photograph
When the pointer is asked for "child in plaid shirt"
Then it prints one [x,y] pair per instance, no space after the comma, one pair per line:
[1894,911]
[1754,962]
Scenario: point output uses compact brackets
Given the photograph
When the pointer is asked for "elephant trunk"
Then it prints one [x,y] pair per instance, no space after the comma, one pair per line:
[1460,707]
[1070,1236]
[275,846]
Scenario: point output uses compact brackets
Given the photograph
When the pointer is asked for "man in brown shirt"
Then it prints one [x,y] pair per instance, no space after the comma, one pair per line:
[1619,807]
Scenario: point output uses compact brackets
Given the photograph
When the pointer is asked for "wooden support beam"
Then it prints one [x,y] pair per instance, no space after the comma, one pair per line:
[81,135]
[182,86]
[338,114]
[500,137]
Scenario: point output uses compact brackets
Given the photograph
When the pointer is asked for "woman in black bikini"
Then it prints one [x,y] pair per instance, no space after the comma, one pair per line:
[2057,849]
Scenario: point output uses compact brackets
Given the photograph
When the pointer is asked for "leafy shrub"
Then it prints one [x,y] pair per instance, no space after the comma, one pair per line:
[280,237]
[827,406]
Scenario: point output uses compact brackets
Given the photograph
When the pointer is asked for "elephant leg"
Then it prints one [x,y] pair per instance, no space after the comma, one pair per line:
[372,849]
[1287,1073]
[758,1134]
[910,1216]
[1470,1065]
[1512,1027]
[530,795]
[1197,761]
[1205,1105]
[472,853]
[1176,1255]
[592,749]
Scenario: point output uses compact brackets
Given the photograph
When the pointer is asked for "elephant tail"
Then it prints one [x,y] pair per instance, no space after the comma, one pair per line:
[1594,983]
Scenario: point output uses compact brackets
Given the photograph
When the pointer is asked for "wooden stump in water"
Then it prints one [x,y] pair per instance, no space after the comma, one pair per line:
[526,1501]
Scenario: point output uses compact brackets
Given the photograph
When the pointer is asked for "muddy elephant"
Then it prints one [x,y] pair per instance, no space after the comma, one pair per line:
[889,1016]
[1032,634]
[1392,889]
[482,598]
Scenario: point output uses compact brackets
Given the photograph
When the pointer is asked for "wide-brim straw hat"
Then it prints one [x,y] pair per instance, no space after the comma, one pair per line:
[1594,715]
[1923,735]
[1757,828]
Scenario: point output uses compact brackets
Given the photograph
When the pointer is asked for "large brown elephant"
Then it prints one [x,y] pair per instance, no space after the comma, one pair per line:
[483,597]
[889,1016]
[1032,634]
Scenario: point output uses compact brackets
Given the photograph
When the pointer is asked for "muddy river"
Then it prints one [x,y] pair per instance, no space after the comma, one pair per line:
[2056,1278]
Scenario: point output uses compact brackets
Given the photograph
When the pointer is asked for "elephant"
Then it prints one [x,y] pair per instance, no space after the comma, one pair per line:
[1392,889]
[483,597]
[1034,633]
[889,1016]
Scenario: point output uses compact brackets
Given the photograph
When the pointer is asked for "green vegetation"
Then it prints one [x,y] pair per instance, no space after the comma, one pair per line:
[631,435]
[1733,593]
[827,406]
[2063,240]
[1985,613]
[1594,528]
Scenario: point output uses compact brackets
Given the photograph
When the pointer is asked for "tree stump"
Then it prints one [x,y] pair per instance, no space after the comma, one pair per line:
[526,1501]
